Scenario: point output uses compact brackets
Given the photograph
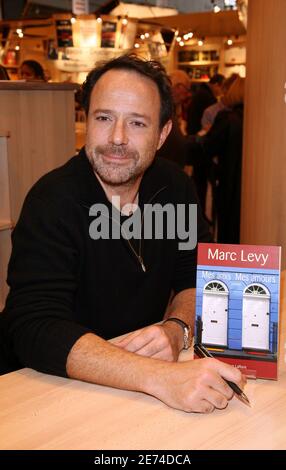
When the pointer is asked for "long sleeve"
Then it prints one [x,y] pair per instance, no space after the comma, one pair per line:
[63,283]
[39,317]
[211,144]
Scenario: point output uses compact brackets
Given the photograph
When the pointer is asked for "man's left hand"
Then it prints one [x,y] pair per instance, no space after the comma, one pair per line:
[157,341]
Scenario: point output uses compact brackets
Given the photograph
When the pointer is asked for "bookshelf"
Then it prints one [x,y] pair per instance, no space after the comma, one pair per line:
[200,64]
[215,56]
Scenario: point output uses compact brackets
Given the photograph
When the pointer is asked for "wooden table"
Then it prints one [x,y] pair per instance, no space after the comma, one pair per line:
[39,411]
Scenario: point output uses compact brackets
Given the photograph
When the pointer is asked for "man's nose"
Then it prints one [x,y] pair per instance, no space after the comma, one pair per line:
[118,134]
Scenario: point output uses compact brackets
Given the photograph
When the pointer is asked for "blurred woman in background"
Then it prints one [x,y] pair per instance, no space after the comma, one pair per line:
[31,70]
[223,142]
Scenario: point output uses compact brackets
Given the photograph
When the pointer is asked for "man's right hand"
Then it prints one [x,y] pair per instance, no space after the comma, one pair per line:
[191,386]
[196,386]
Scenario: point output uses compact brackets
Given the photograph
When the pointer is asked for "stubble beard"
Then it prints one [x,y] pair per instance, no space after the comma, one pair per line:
[113,173]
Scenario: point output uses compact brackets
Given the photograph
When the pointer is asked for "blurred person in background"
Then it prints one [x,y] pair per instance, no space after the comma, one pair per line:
[3,73]
[223,141]
[31,71]
[211,111]
[175,146]
[181,91]
[202,97]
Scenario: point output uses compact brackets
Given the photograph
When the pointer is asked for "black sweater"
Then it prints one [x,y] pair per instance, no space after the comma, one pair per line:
[64,284]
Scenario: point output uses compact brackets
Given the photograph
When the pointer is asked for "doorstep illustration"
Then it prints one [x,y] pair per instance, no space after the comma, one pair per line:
[253,329]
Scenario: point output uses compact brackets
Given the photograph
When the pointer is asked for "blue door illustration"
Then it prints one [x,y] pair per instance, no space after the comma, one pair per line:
[215,313]
[255,317]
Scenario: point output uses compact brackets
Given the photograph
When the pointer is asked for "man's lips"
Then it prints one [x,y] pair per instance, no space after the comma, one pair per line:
[115,157]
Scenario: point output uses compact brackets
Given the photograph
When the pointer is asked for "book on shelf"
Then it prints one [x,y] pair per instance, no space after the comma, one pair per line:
[237,305]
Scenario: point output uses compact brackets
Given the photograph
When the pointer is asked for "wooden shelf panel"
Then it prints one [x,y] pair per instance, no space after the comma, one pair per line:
[200,80]
[14,67]
[11,85]
[200,63]
[232,64]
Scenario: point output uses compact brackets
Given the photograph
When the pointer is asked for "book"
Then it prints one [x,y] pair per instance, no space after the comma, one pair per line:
[237,305]
[108,33]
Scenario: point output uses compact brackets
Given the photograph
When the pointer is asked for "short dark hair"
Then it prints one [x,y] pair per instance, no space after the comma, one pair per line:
[217,78]
[36,67]
[3,73]
[147,68]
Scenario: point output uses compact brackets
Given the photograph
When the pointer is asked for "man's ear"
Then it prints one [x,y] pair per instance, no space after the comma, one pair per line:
[164,133]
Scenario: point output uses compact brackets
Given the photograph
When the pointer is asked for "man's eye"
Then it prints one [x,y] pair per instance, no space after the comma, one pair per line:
[102,118]
[138,124]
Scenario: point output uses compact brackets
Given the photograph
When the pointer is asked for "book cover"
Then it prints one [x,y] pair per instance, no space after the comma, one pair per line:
[108,33]
[237,305]
[64,33]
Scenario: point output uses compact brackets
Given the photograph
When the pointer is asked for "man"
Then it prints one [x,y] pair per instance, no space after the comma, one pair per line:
[175,147]
[71,290]
[211,112]
[181,86]
[206,95]
[223,142]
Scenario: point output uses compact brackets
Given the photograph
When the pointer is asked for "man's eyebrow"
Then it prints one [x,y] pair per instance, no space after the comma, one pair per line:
[101,110]
[110,111]
[142,116]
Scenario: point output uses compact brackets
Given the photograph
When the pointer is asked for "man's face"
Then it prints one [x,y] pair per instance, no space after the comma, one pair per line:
[27,73]
[216,89]
[180,93]
[123,130]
